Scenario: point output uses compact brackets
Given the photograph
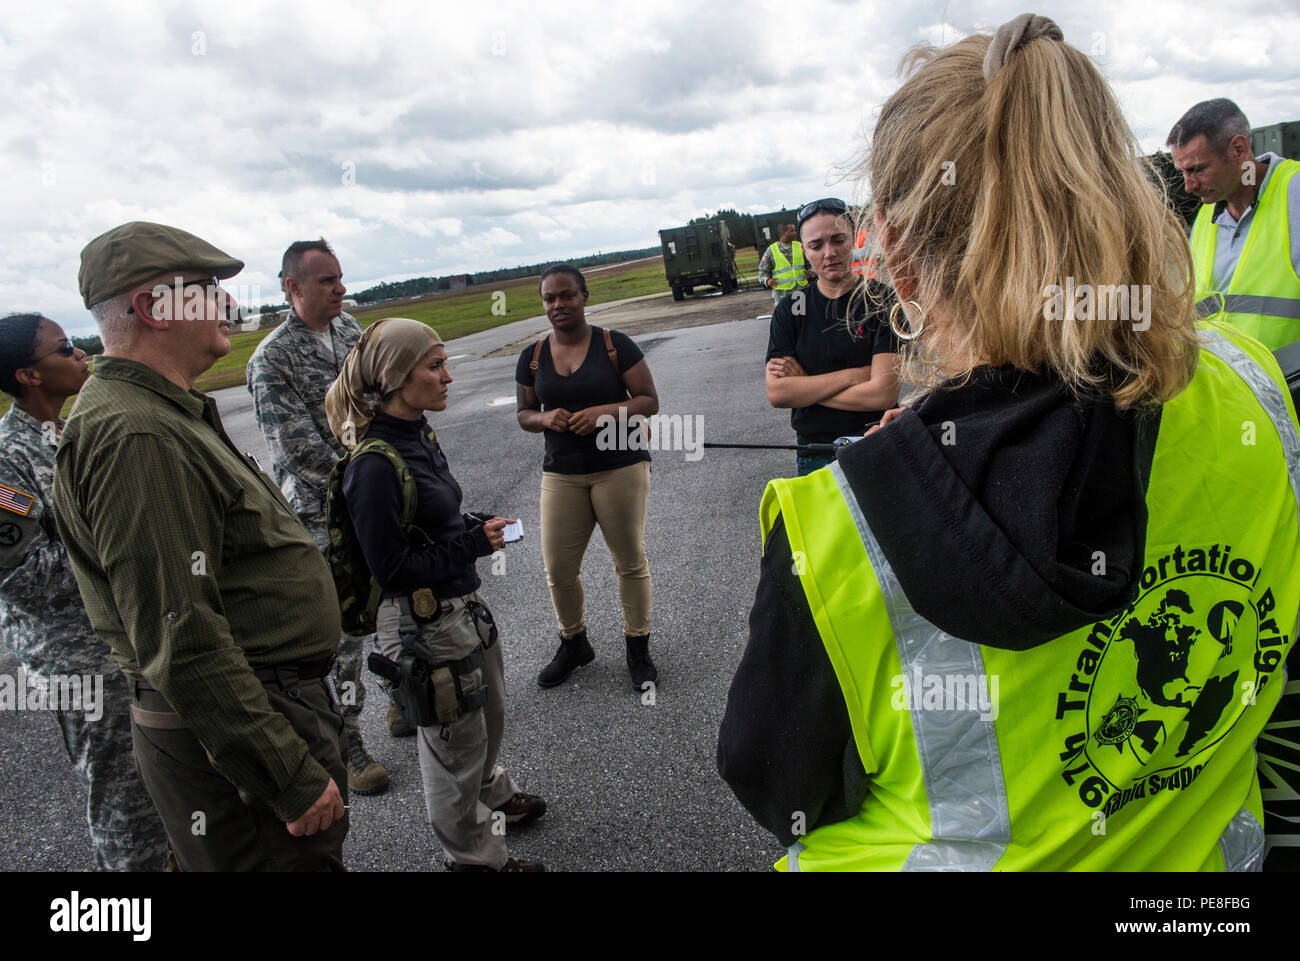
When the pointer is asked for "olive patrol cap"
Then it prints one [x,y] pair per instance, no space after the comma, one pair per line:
[127,256]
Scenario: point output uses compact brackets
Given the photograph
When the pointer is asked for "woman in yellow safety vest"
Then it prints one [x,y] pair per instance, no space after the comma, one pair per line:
[1037,619]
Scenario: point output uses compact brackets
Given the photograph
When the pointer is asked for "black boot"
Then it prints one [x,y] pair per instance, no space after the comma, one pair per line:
[574,652]
[639,664]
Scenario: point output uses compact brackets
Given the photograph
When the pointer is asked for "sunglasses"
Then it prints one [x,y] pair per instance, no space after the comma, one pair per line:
[830,205]
[211,282]
[65,348]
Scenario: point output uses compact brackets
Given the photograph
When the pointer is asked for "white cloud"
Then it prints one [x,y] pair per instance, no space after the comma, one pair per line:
[494,133]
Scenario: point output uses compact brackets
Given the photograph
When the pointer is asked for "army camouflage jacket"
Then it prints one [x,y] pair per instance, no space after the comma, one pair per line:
[42,617]
[288,376]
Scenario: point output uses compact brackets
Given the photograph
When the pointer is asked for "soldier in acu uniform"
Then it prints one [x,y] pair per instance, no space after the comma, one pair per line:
[41,614]
[288,376]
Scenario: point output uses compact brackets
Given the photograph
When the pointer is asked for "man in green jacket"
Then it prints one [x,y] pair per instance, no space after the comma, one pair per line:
[196,572]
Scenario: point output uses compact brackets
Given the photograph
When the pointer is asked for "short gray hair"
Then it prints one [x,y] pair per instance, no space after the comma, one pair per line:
[1218,120]
[291,264]
[117,328]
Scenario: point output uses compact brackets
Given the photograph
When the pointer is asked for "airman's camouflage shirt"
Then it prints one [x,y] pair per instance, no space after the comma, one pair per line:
[42,618]
[288,375]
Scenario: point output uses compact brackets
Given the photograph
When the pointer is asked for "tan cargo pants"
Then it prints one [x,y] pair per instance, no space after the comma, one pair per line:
[462,781]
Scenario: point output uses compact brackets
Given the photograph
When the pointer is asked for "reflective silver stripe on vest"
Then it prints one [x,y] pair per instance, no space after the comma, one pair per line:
[960,761]
[1282,307]
[792,857]
[1242,843]
[1267,393]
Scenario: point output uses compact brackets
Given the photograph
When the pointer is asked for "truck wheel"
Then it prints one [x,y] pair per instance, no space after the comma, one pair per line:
[677,293]
[689,290]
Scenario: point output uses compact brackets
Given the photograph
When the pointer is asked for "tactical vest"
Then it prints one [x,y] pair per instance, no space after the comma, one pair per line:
[1263,295]
[789,275]
[1127,744]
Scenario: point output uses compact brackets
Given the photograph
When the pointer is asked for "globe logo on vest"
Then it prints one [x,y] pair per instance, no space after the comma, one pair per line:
[1158,685]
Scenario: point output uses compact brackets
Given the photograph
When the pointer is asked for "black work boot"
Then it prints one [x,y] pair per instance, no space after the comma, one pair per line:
[574,652]
[639,664]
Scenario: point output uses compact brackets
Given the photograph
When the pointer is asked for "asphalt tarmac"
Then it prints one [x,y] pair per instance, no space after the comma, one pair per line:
[631,786]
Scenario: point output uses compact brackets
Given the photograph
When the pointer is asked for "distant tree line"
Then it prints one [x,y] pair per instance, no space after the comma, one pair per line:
[91,345]
[739,226]
[421,286]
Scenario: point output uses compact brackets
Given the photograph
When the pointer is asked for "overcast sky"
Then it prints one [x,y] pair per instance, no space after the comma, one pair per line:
[436,138]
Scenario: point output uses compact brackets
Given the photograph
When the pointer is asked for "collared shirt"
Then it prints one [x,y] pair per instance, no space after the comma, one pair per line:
[288,375]
[195,570]
[1230,234]
[42,618]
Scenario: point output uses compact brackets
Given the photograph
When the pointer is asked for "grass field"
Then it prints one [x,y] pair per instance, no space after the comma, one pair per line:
[457,313]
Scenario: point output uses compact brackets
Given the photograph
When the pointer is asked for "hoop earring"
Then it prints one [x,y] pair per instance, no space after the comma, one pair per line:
[893,321]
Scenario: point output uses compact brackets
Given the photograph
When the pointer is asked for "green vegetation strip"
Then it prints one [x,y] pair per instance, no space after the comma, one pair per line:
[462,312]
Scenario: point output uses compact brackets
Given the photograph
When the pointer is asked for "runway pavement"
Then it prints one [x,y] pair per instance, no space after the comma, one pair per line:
[630,786]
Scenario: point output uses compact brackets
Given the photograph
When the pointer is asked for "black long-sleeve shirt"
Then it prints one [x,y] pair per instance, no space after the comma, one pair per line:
[441,552]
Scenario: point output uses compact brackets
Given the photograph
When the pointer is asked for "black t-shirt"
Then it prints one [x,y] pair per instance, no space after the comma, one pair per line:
[594,383]
[821,340]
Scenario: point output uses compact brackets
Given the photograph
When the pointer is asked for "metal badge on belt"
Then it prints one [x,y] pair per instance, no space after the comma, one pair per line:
[424,605]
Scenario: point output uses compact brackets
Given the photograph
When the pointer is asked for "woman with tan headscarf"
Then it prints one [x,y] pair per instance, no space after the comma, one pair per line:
[1027,623]
[426,572]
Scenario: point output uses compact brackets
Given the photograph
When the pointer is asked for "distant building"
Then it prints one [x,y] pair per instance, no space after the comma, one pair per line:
[459,281]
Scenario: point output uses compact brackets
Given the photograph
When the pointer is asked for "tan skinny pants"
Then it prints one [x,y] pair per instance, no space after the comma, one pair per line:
[572,506]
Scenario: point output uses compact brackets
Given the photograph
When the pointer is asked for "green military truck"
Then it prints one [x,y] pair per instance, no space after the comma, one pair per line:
[767,227]
[699,255]
[1282,139]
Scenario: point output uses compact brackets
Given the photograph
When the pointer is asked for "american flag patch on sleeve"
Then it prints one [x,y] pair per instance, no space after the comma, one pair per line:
[15,502]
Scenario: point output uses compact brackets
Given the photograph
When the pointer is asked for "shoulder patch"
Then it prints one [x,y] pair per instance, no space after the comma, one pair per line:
[16,535]
[15,501]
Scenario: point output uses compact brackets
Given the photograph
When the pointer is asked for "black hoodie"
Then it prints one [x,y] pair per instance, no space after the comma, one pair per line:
[990,501]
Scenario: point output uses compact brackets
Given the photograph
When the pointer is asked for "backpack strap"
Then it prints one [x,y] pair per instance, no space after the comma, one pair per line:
[613,358]
[537,353]
[613,354]
[410,499]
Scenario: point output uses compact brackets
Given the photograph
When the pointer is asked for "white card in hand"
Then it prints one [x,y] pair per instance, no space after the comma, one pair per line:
[513,532]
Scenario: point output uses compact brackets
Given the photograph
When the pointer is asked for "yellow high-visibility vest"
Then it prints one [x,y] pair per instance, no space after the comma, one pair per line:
[789,275]
[1128,744]
[1263,295]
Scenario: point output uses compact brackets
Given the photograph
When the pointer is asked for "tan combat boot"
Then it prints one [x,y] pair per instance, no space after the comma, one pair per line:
[365,774]
[398,725]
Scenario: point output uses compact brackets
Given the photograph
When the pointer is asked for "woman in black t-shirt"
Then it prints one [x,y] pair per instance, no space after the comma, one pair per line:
[584,387]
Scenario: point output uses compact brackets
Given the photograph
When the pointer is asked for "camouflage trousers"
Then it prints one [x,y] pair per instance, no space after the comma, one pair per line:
[348,671]
[125,828]
[347,678]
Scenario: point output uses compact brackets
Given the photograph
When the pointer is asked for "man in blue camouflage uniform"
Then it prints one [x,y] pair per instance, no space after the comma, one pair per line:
[42,617]
[288,376]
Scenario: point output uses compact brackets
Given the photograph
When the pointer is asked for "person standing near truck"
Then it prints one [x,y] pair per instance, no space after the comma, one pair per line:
[782,267]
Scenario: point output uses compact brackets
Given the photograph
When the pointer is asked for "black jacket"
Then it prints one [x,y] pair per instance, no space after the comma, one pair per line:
[443,549]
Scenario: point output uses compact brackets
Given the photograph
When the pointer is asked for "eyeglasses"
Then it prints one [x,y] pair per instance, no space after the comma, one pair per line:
[66,348]
[830,205]
[212,282]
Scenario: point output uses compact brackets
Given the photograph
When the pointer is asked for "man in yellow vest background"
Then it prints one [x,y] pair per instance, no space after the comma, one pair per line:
[1246,239]
[782,267]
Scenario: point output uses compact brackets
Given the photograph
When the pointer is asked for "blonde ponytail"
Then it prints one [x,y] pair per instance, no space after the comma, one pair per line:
[1006,190]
